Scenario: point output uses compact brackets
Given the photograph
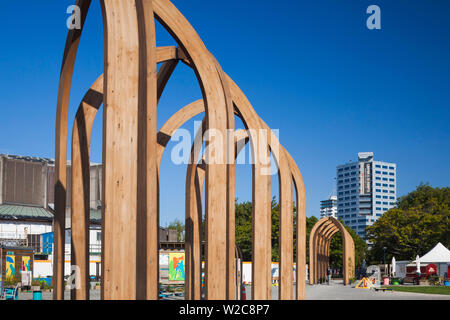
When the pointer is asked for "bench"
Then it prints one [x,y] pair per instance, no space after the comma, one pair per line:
[383,289]
[12,293]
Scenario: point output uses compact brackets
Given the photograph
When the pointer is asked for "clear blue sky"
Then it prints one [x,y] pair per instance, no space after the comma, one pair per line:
[310,68]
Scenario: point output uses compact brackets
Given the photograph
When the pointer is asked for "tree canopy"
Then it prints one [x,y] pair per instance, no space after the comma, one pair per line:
[413,227]
[336,249]
[244,235]
[179,227]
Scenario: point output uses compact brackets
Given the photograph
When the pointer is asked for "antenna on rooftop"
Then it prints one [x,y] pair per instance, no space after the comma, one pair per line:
[333,192]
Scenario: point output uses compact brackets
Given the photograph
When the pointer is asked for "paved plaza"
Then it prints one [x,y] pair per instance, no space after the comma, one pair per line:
[334,291]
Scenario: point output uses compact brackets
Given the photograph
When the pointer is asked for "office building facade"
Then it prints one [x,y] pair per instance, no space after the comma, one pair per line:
[366,190]
[328,208]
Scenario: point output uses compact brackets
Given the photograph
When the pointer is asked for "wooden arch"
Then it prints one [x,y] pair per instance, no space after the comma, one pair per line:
[132,151]
[319,249]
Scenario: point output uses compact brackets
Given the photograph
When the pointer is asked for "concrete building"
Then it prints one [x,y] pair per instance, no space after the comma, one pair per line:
[26,199]
[366,189]
[26,212]
[24,190]
[328,208]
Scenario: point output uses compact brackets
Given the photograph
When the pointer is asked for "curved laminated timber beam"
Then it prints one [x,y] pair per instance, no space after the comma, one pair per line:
[319,249]
[132,151]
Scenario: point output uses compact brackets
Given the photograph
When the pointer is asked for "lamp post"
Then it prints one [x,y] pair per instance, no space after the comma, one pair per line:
[384,255]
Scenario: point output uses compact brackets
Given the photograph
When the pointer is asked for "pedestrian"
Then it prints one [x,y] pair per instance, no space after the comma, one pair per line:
[328,275]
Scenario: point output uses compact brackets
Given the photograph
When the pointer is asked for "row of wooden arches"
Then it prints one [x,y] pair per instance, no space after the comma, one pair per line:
[319,250]
[130,91]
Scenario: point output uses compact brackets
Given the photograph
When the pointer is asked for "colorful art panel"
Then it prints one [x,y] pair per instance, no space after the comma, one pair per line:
[26,265]
[10,266]
[176,266]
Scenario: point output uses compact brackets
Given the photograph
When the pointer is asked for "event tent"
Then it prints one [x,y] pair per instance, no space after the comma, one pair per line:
[439,254]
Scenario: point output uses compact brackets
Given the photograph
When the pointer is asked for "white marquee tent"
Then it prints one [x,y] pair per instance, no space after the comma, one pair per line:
[439,254]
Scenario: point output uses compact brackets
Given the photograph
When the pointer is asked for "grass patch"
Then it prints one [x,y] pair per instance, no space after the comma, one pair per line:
[419,289]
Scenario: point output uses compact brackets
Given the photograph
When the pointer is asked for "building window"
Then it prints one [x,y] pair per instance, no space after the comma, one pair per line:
[391,168]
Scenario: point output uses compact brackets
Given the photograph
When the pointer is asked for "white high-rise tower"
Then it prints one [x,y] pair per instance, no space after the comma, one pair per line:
[365,189]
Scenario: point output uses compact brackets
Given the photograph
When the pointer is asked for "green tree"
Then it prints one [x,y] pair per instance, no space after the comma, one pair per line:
[310,222]
[244,235]
[336,249]
[244,229]
[179,227]
[414,227]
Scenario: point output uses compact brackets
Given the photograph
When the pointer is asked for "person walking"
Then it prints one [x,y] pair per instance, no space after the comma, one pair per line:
[328,275]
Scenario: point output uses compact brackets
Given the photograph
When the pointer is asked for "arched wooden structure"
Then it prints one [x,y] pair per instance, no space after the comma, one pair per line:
[132,150]
[319,250]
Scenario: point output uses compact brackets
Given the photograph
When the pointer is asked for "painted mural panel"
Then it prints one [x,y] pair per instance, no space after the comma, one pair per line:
[26,265]
[176,266]
[10,266]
